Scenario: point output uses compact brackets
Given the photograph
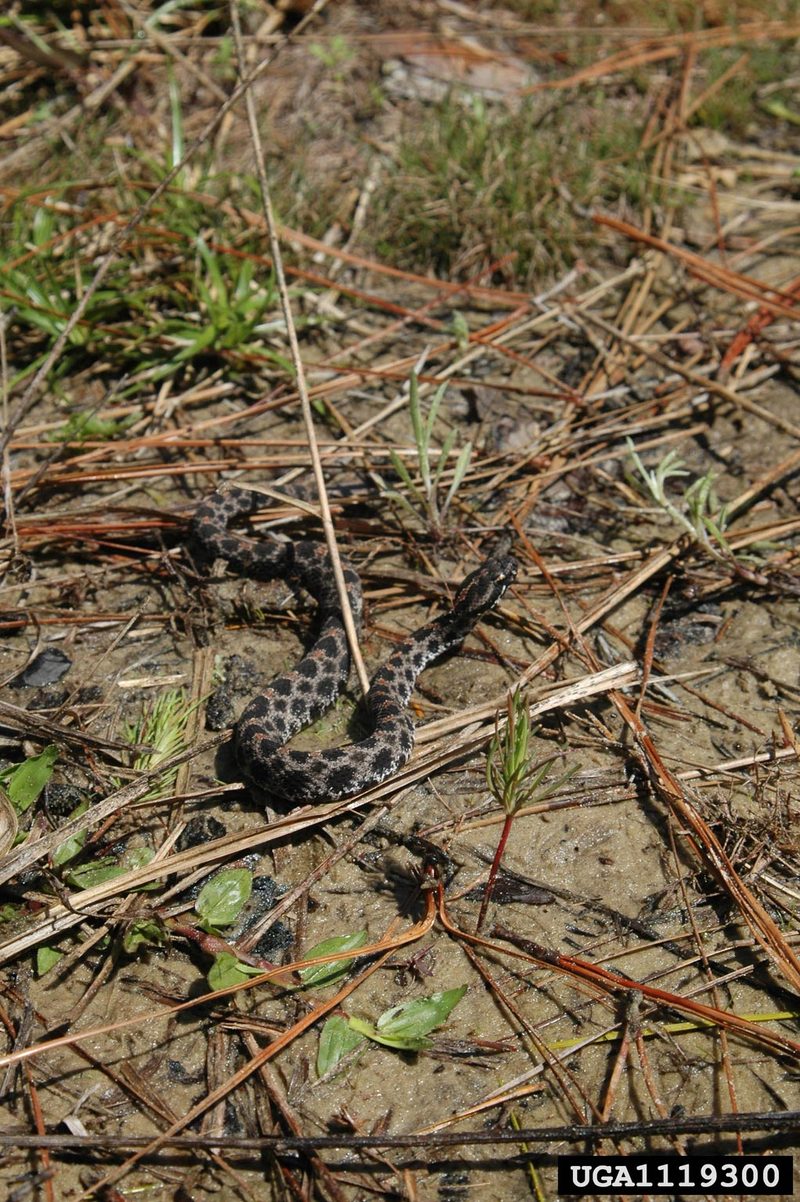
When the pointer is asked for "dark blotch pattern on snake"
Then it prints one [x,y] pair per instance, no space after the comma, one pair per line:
[294,699]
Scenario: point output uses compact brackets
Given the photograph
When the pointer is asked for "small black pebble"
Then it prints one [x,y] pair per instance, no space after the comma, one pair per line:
[48,667]
[200,830]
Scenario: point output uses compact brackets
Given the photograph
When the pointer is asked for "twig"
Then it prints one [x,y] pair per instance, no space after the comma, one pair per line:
[297,361]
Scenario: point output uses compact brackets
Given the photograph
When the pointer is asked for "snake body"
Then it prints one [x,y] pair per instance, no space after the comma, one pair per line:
[293,699]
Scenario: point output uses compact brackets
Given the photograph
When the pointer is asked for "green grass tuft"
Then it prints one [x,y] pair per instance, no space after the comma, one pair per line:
[474,184]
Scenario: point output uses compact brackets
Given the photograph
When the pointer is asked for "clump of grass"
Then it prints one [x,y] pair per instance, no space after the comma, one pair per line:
[735,106]
[41,277]
[175,302]
[426,501]
[473,184]
[211,307]
[231,308]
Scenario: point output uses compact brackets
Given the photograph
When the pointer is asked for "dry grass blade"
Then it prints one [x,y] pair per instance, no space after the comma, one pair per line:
[604,980]
[777,301]
[305,403]
[19,719]
[710,851]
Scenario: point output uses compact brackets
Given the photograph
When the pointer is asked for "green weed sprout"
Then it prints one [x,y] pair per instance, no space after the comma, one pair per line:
[162,728]
[230,314]
[515,778]
[701,516]
[39,292]
[336,55]
[426,498]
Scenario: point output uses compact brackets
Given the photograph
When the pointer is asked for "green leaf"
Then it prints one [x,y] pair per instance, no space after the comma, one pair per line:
[337,1038]
[323,974]
[460,470]
[444,455]
[46,958]
[281,360]
[776,108]
[335,54]
[433,412]
[200,342]
[140,857]
[95,872]
[391,495]
[227,971]
[398,1042]
[402,470]
[26,782]
[137,857]
[220,901]
[144,933]
[406,1026]
[81,426]
[241,291]
[211,262]
[414,409]
[418,1017]
[67,850]
[43,225]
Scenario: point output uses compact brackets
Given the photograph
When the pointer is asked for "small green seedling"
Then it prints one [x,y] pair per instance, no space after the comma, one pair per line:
[701,516]
[323,974]
[218,904]
[404,1028]
[336,55]
[80,427]
[105,868]
[162,728]
[777,108]
[460,329]
[143,933]
[46,958]
[227,971]
[72,846]
[515,778]
[337,1038]
[425,500]
[230,310]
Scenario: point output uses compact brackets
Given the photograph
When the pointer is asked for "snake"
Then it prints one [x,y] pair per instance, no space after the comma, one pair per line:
[295,698]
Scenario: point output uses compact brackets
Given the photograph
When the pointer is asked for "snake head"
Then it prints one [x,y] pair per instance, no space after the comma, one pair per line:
[484,587]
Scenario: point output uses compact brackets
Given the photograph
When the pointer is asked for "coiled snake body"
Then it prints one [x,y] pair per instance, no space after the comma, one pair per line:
[293,699]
